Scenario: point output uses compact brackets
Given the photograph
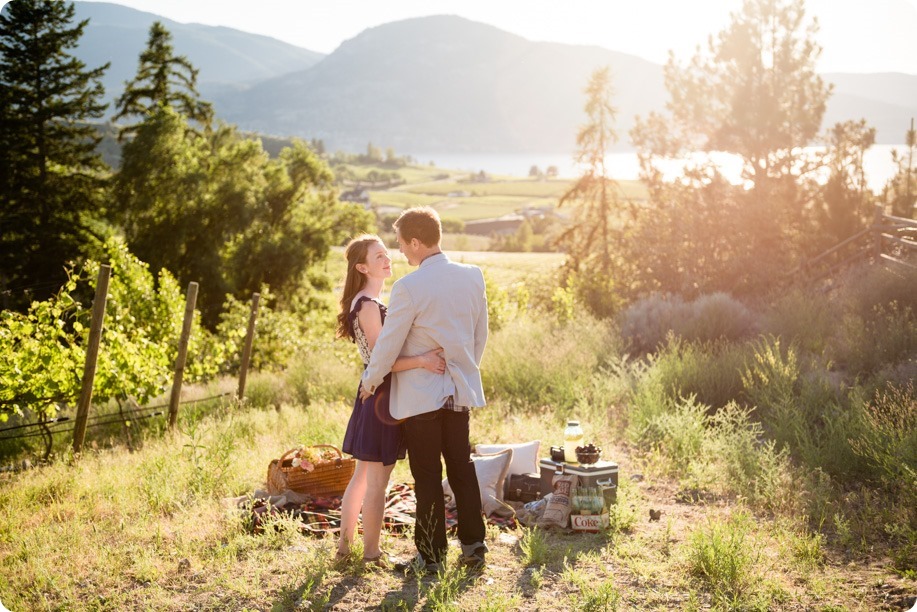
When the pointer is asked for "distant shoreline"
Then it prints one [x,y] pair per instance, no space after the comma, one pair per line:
[622,165]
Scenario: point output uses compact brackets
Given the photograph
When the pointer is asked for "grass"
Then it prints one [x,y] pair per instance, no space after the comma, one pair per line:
[755,501]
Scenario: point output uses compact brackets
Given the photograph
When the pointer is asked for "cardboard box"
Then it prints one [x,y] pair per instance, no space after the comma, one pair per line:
[602,474]
[591,523]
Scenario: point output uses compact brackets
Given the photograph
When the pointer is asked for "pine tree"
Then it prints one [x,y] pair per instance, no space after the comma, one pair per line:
[589,239]
[162,79]
[52,176]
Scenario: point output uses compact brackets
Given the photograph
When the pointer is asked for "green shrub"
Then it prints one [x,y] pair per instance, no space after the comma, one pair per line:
[678,433]
[533,362]
[748,464]
[866,287]
[889,439]
[887,336]
[646,323]
[802,412]
[711,371]
[802,319]
[722,556]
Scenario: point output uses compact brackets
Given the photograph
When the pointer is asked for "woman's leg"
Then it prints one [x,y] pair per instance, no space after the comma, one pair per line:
[377,476]
[350,506]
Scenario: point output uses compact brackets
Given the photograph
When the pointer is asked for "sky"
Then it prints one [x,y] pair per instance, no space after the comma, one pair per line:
[857,35]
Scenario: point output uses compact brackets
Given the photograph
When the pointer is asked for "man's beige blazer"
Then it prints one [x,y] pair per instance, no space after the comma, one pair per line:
[441,304]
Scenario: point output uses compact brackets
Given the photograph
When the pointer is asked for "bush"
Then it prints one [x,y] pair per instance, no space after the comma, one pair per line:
[724,559]
[802,319]
[710,371]
[532,362]
[889,442]
[864,345]
[802,412]
[646,323]
[865,288]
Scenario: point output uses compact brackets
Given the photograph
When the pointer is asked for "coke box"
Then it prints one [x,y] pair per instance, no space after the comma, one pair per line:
[589,522]
[603,474]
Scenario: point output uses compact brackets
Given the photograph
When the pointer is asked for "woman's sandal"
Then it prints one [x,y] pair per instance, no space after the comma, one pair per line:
[341,557]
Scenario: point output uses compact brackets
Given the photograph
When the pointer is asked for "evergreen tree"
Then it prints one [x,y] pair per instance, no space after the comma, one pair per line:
[900,193]
[590,239]
[753,93]
[846,202]
[52,176]
[163,79]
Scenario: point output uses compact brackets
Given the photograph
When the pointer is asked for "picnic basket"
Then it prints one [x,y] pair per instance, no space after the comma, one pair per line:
[327,479]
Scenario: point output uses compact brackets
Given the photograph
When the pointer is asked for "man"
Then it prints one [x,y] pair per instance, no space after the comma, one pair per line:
[441,304]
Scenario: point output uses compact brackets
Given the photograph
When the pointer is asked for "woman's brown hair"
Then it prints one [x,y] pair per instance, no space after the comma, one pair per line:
[354,281]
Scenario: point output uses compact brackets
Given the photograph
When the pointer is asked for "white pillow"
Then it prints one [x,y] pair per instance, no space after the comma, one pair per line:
[525,455]
[491,471]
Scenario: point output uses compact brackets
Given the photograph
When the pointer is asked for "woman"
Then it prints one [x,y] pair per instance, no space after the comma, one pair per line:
[372,437]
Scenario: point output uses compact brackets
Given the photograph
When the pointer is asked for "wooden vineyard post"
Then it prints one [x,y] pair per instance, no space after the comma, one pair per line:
[247,348]
[92,355]
[190,301]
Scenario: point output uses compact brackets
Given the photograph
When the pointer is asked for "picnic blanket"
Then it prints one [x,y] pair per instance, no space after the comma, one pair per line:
[319,515]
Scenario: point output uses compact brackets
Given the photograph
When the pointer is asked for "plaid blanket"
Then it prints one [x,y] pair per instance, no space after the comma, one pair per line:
[320,515]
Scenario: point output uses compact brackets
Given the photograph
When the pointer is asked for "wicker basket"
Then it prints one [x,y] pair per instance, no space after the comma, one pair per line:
[327,479]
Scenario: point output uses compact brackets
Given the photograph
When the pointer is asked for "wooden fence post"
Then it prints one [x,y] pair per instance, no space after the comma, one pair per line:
[247,348]
[190,301]
[92,354]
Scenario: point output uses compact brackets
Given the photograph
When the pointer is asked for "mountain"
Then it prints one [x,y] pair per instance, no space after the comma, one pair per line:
[440,84]
[444,84]
[887,101]
[229,60]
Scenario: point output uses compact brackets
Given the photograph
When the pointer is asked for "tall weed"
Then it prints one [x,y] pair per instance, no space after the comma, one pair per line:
[646,323]
[802,319]
[533,362]
[723,557]
[710,371]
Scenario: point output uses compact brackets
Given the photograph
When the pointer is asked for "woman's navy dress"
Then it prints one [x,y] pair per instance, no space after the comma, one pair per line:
[372,434]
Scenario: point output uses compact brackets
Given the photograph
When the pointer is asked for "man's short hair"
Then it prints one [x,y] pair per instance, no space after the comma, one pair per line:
[421,223]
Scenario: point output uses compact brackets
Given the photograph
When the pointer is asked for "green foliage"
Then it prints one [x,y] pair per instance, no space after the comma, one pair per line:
[646,323]
[44,349]
[534,547]
[42,358]
[711,371]
[532,363]
[217,210]
[51,176]
[889,440]
[722,556]
[589,239]
[887,336]
[163,79]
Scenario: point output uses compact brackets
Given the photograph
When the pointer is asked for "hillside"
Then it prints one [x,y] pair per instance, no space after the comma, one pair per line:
[443,83]
[228,60]
[447,84]
[439,84]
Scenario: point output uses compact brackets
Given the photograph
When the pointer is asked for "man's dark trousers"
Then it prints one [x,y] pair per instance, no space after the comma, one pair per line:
[443,432]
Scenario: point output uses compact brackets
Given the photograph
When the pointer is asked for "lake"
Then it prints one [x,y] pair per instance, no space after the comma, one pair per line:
[623,165]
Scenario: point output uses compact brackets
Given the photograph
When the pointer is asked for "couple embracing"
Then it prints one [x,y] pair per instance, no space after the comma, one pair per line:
[422,356]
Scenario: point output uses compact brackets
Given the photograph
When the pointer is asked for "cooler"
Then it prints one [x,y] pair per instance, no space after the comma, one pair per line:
[602,474]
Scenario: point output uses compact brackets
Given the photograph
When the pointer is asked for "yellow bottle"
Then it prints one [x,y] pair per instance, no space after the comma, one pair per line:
[573,437]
